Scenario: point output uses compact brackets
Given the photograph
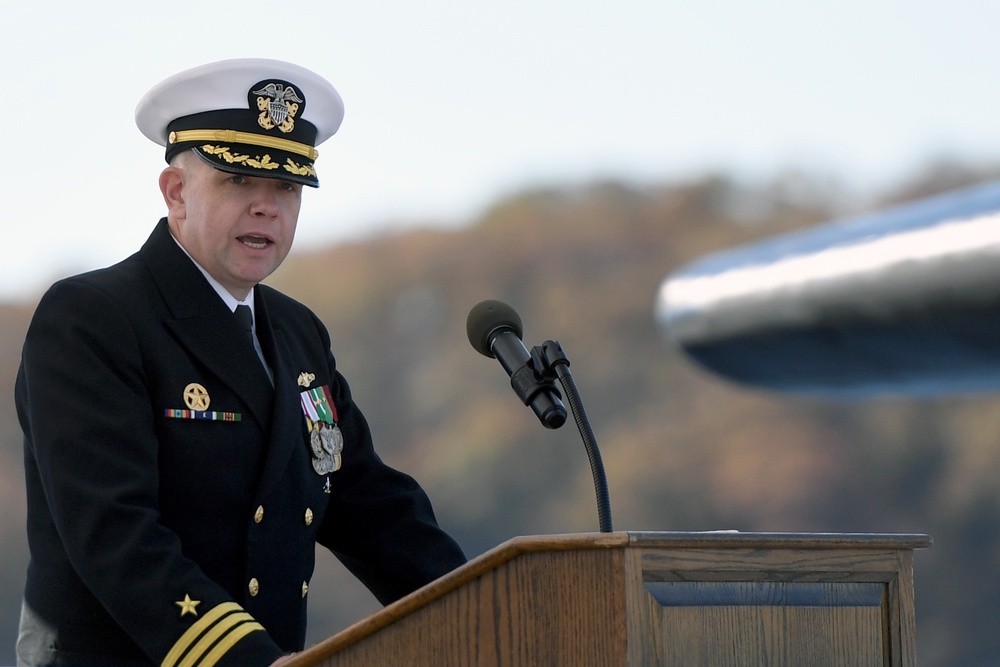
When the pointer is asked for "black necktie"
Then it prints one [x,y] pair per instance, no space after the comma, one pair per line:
[245,318]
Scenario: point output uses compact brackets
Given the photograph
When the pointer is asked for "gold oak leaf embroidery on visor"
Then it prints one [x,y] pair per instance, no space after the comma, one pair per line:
[236,158]
[297,169]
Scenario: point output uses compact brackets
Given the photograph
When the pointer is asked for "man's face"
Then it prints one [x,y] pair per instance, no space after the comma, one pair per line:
[239,228]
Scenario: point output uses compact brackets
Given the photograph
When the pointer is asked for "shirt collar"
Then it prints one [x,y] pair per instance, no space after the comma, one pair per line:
[230,300]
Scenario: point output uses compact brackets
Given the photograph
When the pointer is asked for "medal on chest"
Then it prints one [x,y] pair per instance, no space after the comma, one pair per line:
[326,442]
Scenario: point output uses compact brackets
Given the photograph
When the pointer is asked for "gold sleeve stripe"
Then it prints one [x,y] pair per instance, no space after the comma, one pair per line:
[235,136]
[204,623]
[227,621]
[224,629]
[223,647]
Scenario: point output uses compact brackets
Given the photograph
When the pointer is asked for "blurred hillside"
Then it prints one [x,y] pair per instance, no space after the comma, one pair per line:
[683,450]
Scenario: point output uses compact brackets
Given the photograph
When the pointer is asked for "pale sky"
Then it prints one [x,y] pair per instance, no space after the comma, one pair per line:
[451,104]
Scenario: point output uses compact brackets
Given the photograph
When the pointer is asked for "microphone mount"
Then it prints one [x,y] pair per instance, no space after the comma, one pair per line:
[549,362]
[535,390]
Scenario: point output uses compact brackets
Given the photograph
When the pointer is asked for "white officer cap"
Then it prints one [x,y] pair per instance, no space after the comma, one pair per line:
[248,116]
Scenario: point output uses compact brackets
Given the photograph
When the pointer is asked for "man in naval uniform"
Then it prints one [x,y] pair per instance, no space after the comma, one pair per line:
[187,436]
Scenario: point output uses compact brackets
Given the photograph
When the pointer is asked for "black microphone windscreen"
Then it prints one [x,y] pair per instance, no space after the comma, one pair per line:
[486,318]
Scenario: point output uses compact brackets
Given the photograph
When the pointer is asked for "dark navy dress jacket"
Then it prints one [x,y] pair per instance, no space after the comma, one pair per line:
[173,505]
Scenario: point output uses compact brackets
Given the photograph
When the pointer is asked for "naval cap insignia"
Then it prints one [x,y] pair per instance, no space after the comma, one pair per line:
[196,397]
[278,104]
[306,379]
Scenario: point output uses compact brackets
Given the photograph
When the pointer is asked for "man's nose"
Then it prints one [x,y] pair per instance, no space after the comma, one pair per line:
[265,202]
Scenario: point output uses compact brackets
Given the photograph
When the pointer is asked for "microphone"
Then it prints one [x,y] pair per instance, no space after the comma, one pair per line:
[495,330]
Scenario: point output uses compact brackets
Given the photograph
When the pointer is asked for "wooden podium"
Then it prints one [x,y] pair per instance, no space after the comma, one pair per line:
[715,599]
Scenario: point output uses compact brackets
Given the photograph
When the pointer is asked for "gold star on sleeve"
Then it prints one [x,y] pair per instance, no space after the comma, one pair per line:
[188,605]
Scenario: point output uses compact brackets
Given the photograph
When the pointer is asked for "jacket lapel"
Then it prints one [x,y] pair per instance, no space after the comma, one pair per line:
[287,424]
[202,323]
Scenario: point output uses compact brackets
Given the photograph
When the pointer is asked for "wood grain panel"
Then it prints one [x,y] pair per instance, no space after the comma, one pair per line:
[644,599]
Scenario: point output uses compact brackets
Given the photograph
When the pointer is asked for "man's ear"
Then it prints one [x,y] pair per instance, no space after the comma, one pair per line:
[172,189]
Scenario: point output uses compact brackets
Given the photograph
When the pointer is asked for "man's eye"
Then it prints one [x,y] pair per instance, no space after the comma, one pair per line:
[237,179]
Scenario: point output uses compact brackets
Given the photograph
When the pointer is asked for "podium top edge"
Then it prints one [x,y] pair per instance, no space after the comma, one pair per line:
[721,539]
[733,538]
[714,539]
